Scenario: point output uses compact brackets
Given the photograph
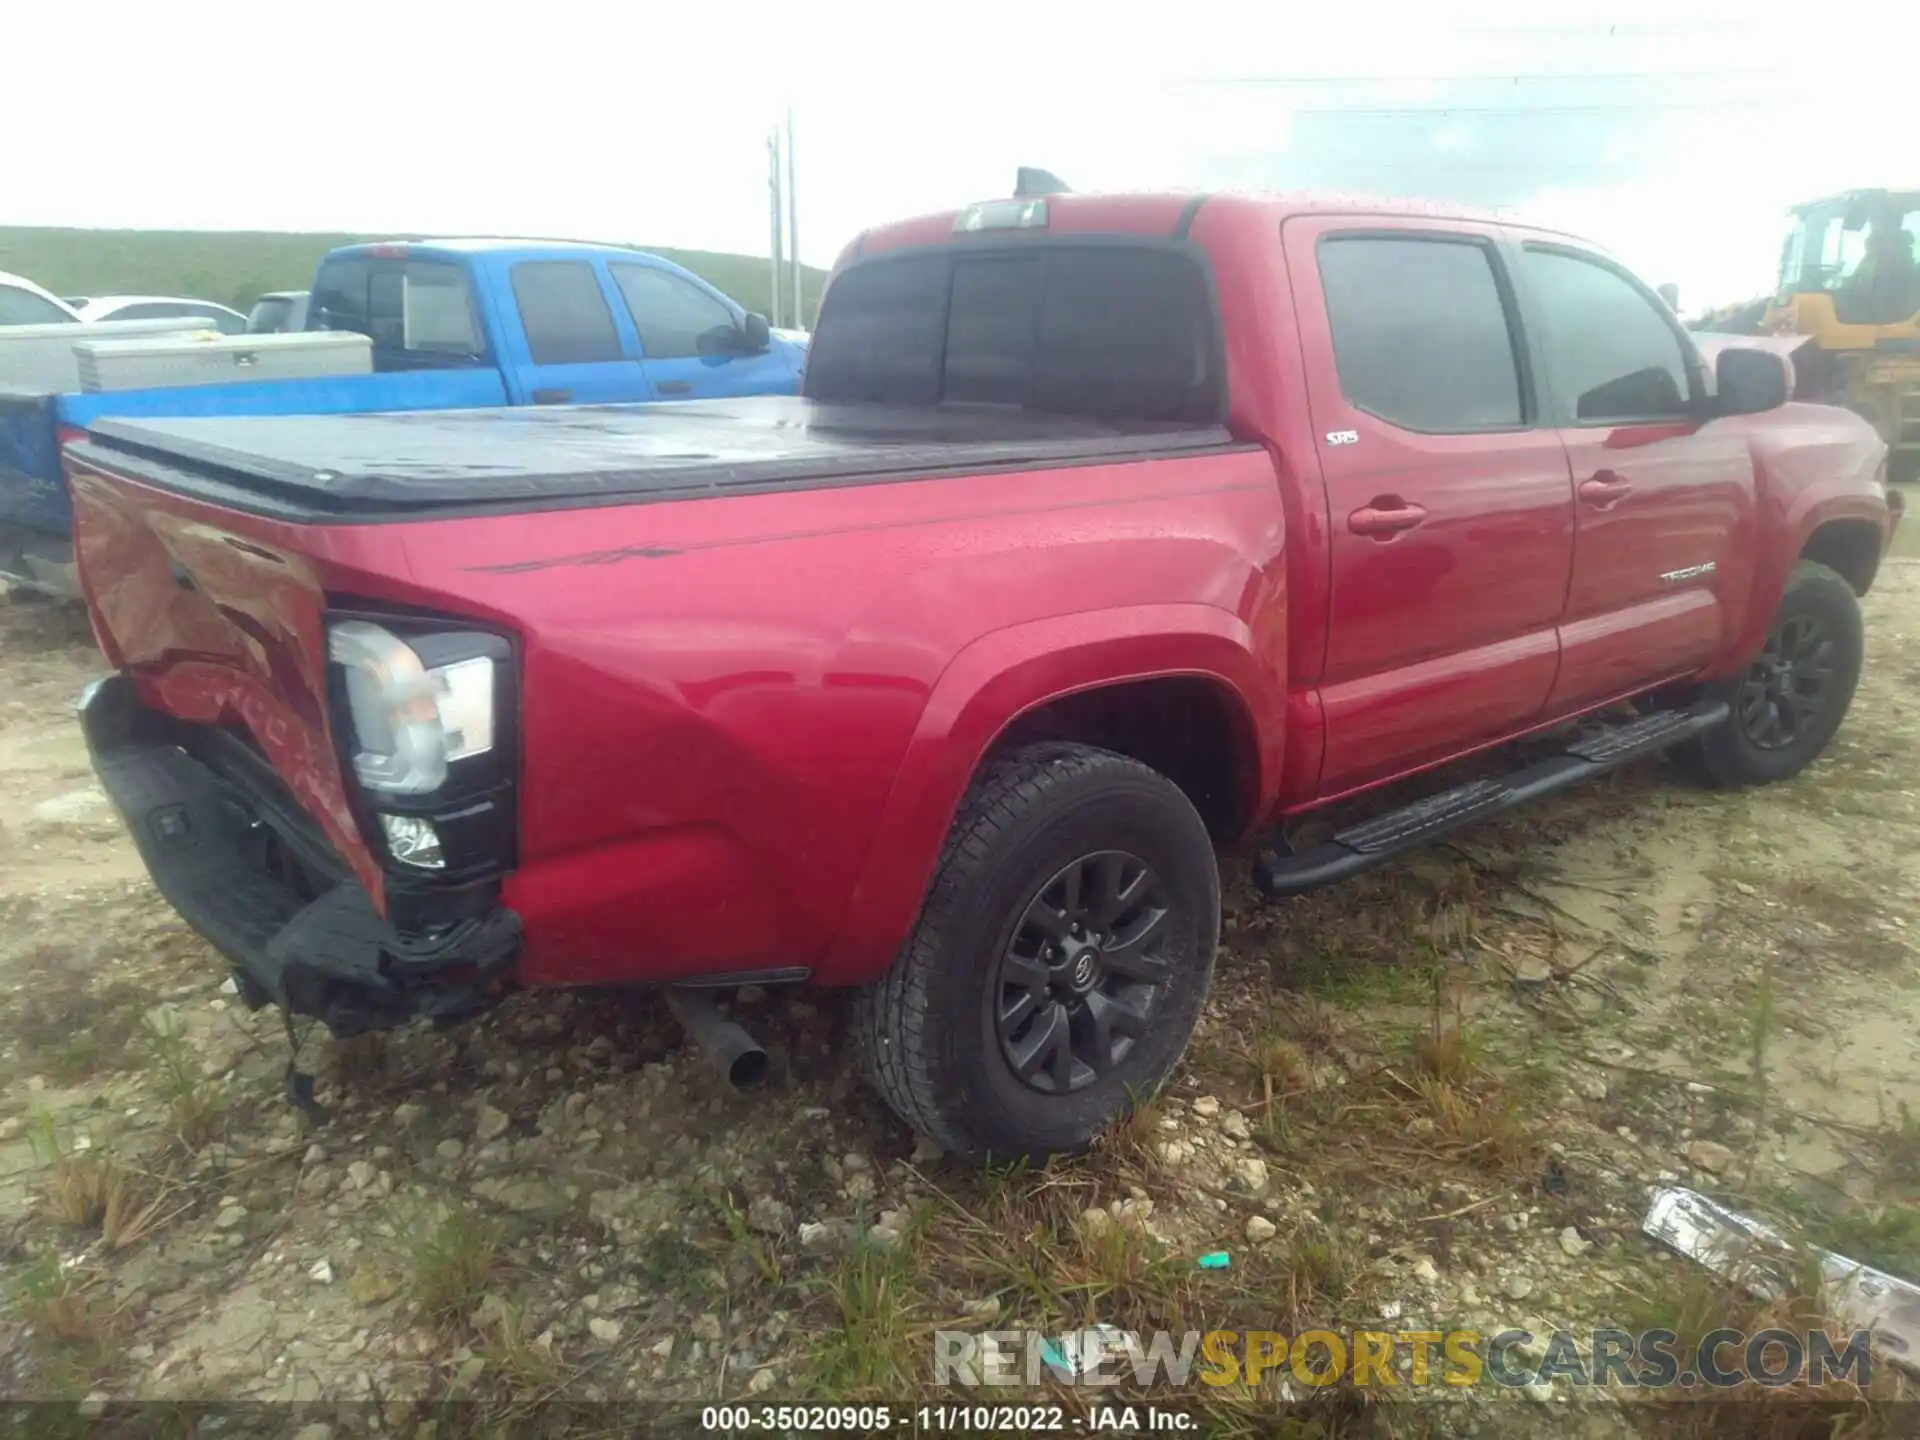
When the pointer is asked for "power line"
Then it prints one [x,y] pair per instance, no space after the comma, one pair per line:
[1490,78]
[1621,107]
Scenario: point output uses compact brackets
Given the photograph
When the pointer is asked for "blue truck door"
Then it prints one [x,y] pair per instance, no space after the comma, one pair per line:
[571,352]
[689,337]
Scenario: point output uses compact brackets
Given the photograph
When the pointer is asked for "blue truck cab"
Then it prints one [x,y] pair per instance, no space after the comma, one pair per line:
[455,324]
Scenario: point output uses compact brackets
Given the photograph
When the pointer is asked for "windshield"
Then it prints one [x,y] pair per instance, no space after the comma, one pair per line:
[1827,248]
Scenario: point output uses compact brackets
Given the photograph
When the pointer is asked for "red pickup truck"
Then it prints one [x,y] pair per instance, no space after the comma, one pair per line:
[1107,529]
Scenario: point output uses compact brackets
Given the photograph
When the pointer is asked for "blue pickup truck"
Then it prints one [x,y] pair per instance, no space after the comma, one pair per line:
[455,325]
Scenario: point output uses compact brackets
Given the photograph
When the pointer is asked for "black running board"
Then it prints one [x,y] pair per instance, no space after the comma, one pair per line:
[1362,846]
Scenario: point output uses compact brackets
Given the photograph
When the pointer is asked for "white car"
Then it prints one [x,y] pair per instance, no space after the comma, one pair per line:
[161,307]
[24,303]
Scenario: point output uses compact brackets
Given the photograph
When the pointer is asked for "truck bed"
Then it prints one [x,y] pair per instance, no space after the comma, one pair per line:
[31,492]
[343,468]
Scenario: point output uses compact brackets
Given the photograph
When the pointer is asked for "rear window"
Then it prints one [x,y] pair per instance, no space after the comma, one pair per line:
[1115,331]
[269,316]
[418,313]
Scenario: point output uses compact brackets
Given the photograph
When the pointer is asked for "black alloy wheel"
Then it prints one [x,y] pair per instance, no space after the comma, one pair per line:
[1785,707]
[1785,692]
[1077,984]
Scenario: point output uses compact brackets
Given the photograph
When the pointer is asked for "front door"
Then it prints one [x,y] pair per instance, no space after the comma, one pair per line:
[1662,500]
[1449,502]
[687,338]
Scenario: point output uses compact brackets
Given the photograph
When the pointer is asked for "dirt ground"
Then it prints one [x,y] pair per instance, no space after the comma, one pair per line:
[1437,1094]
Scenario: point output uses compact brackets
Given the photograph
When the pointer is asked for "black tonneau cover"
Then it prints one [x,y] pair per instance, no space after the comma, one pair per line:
[350,467]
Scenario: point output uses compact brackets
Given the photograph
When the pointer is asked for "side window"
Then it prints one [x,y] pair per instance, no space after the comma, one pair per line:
[1420,336]
[671,314]
[1611,354]
[23,307]
[563,312]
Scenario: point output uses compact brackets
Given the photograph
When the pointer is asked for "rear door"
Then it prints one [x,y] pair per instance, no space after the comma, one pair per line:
[690,337]
[1449,500]
[1661,499]
[573,352]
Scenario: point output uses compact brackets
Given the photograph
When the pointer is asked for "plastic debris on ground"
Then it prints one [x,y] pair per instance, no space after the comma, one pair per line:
[1079,1352]
[1753,1255]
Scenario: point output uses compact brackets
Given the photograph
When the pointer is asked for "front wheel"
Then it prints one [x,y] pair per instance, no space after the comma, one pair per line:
[1060,960]
[1790,701]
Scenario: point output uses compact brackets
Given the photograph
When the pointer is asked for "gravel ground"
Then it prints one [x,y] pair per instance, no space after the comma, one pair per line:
[1438,1094]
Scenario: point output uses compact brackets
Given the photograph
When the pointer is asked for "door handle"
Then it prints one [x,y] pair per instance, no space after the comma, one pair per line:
[1385,516]
[1604,489]
[674,387]
[552,397]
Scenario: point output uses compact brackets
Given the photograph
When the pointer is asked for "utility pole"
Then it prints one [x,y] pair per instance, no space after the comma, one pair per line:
[798,309]
[774,188]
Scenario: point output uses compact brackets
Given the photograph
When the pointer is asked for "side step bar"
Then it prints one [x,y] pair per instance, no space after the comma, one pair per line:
[1362,846]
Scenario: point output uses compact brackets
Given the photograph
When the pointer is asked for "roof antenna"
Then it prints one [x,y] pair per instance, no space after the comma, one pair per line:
[1029,182]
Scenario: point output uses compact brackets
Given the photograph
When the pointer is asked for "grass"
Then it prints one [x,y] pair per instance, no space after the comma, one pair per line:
[528,1368]
[868,1349]
[235,267]
[74,1335]
[1692,1303]
[195,1102]
[86,1190]
[451,1256]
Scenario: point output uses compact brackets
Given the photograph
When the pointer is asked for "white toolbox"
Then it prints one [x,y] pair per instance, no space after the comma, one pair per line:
[40,357]
[214,359]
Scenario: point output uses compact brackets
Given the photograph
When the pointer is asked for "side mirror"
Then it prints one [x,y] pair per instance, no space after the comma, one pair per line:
[755,336]
[1671,294]
[1749,381]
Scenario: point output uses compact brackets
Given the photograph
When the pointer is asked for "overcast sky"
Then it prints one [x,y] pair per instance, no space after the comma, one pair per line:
[1674,133]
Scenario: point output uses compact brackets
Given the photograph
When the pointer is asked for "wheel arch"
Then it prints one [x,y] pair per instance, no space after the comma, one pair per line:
[1065,678]
[1850,529]
[1849,545]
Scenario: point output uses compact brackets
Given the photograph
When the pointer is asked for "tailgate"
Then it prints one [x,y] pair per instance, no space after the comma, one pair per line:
[218,620]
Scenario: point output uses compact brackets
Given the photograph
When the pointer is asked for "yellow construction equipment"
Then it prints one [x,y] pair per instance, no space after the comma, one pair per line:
[1850,284]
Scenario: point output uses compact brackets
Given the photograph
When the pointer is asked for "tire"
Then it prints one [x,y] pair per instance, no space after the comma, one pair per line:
[930,1031]
[1748,750]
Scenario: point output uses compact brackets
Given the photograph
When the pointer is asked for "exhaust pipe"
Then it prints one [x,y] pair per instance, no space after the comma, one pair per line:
[731,1048]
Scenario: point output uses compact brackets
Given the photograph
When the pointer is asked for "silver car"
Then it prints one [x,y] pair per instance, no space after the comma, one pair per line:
[162,307]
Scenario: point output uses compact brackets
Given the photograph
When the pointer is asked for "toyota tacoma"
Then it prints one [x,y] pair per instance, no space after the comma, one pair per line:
[1106,531]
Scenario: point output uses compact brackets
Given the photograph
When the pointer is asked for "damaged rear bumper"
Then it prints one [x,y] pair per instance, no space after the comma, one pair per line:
[244,865]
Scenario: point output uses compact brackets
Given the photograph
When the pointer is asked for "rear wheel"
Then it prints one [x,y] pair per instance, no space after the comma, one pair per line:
[1789,702]
[1060,960]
